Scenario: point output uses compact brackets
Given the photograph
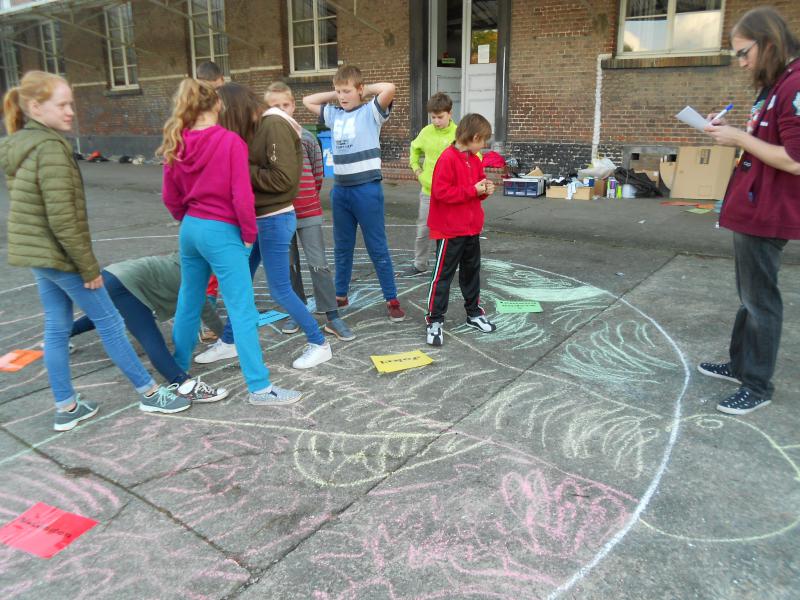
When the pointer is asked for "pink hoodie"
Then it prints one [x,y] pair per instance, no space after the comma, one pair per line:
[211,180]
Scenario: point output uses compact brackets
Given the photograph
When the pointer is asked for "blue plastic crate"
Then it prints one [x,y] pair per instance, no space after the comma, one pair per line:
[530,187]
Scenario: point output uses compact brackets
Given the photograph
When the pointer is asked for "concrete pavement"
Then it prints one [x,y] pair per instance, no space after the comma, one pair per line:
[575,453]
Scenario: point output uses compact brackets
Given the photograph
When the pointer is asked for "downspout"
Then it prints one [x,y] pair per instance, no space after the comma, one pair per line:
[598,103]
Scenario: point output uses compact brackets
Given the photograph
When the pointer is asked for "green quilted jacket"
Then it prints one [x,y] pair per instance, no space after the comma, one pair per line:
[47,222]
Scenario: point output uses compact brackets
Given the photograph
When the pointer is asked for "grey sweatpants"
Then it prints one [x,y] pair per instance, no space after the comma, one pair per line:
[321,279]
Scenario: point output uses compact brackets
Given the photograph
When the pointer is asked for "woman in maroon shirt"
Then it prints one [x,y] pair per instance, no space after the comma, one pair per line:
[762,203]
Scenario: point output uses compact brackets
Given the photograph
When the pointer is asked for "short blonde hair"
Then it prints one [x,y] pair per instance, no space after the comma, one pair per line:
[348,74]
[278,87]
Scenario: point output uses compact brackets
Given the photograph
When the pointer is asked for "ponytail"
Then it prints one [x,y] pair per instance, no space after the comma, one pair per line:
[35,85]
[192,98]
[12,111]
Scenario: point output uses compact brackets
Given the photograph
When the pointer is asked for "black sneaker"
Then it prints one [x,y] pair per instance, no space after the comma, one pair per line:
[718,370]
[413,271]
[741,403]
[481,323]
[435,334]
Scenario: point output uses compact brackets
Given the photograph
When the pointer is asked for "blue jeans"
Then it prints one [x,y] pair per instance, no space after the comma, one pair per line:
[274,236]
[205,245]
[58,291]
[361,205]
[757,330]
[141,323]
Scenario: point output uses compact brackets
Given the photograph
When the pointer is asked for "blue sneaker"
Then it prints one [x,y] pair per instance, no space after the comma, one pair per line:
[66,420]
[340,329]
[274,396]
[165,400]
[741,403]
[290,326]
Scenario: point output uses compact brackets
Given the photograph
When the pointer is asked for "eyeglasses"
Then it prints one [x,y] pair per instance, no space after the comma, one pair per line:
[740,54]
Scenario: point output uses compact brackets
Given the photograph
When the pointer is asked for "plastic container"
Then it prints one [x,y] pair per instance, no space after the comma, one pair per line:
[324,138]
[528,186]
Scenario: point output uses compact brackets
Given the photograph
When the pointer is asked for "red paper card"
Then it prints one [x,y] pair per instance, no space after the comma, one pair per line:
[44,530]
[17,359]
[678,203]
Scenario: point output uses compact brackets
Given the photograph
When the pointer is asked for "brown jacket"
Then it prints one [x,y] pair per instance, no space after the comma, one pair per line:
[276,163]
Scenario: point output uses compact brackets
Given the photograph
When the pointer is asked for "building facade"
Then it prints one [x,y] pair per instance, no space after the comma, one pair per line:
[561,81]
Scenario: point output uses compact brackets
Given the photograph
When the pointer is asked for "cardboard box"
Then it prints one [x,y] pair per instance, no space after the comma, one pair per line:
[702,172]
[560,192]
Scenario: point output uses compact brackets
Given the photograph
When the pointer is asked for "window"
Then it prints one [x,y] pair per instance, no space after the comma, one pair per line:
[670,26]
[119,42]
[312,36]
[9,63]
[207,29]
[52,47]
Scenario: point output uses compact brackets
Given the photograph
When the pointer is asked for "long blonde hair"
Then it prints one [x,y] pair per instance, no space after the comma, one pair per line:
[191,100]
[35,85]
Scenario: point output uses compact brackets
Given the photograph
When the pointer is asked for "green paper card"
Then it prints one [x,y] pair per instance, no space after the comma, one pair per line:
[518,306]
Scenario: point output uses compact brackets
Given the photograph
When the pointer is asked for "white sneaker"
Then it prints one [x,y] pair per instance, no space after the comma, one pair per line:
[218,351]
[314,354]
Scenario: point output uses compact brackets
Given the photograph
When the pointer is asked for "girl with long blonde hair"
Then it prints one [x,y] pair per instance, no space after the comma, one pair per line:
[206,186]
[48,232]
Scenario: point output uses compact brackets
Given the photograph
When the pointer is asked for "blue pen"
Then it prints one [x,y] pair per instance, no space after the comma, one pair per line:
[723,112]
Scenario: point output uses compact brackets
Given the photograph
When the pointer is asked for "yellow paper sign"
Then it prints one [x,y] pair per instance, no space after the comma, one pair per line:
[391,363]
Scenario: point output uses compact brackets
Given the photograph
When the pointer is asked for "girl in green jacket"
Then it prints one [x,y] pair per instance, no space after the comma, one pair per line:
[48,231]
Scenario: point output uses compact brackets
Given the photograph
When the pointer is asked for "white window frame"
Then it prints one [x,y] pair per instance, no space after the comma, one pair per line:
[317,45]
[8,61]
[51,41]
[211,5]
[669,51]
[124,14]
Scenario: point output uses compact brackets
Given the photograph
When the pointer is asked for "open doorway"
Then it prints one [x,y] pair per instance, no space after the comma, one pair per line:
[463,38]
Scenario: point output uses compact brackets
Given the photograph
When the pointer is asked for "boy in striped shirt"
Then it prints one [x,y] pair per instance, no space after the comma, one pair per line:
[308,209]
[357,195]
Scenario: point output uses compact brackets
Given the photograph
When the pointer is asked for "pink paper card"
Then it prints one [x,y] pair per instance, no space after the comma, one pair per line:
[44,530]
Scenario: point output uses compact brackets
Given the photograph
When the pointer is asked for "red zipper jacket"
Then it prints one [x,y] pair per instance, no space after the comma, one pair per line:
[762,200]
[455,204]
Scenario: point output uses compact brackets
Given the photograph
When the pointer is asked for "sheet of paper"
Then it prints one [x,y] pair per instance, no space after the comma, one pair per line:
[270,316]
[678,203]
[692,118]
[698,211]
[391,363]
[518,306]
[483,54]
[18,359]
[44,530]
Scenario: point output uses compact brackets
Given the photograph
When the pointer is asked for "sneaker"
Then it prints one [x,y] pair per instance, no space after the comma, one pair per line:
[199,391]
[413,271]
[718,370]
[66,420]
[313,355]
[206,336]
[275,396]
[741,403]
[218,351]
[481,323]
[340,329]
[290,326]
[435,334]
[165,400]
[396,313]
[342,301]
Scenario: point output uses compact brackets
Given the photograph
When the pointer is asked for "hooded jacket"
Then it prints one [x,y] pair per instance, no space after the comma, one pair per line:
[761,200]
[210,180]
[276,162]
[47,222]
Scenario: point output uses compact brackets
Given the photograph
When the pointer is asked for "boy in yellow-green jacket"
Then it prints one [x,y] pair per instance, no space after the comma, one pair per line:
[430,143]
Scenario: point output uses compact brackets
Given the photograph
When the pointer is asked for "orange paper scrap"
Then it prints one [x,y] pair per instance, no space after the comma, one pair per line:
[17,359]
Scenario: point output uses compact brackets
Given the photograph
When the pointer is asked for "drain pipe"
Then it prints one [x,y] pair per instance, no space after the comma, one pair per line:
[598,103]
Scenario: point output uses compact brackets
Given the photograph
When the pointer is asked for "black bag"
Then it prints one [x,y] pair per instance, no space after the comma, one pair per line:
[642,184]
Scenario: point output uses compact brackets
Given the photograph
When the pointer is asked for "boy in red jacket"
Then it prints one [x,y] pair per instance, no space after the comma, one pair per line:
[455,221]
